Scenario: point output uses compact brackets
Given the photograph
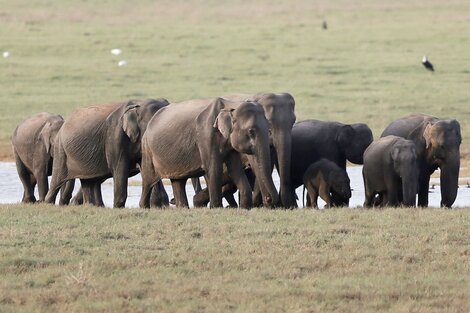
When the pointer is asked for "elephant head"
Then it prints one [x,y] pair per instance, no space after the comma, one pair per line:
[49,132]
[340,183]
[245,128]
[353,141]
[404,157]
[441,141]
[137,114]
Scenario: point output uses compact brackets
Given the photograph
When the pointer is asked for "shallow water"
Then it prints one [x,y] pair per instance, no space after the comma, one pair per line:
[11,190]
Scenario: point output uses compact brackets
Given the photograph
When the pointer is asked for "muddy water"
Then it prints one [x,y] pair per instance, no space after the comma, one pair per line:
[11,189]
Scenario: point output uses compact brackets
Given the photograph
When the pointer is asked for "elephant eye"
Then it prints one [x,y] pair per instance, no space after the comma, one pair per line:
[252,133]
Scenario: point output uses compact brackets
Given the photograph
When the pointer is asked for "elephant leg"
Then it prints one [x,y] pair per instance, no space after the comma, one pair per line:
[88,192]
[97,196]
[237,173]
[158,196]
[201,199]
[423,189]
[312,195]
[369,197]
[66,192]
[214,182]
[179,192]
[324,192]
[120,177]
[78,199]
[149,179]
[196,184]
[228,191]
[27,180]
[43,184]
[59,175]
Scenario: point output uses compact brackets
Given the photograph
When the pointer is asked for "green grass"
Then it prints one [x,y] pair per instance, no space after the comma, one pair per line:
[83,259]
[364,68]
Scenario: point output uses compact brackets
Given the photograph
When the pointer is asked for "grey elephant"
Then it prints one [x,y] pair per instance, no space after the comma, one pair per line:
[313,140]
[323,177]
[33,144]
[279,109]
[99,142]
[390,172]
[437,146]
[196,137]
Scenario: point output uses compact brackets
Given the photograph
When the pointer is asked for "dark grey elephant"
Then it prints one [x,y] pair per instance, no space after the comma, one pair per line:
[313,140]
[390,172]
[33,144]
[437,146]
[196,137]
[101,141]
[321,179]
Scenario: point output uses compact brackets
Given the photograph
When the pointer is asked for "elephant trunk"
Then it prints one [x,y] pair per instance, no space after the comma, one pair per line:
[450,179]
[261,164]
[410,188]
[282,143]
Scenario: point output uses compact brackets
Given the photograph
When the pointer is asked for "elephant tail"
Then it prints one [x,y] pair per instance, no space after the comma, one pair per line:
[303,196]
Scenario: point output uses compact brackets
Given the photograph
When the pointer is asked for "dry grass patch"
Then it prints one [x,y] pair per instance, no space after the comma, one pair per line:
[345,260]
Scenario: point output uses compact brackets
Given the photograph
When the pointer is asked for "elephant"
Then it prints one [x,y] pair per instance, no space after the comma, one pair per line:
[437,146]
[323,177]
[391,172]
[33,144]
[99,142]
[313,140]
[196,137]
[279,109]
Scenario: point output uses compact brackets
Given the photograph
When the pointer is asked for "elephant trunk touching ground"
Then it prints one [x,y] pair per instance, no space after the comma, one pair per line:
[260,162]
[450,179]
[409,178]
[283,144]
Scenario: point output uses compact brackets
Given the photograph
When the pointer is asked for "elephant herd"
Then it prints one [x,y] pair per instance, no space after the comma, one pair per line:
[234,142]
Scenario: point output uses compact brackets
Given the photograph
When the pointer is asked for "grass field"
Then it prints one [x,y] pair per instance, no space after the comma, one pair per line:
[364,68]
[81,259]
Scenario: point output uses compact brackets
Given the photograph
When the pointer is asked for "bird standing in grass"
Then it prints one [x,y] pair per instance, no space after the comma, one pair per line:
[427,64]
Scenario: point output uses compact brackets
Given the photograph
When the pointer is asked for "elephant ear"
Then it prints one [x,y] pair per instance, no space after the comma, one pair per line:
[345,136]
[455,126]
[130,123]
[223,122]
[45,135]
[395,153]
[427,134]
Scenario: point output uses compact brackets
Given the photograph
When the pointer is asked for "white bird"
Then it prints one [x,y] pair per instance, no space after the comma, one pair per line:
[6,54]
[122,63]
[116,51]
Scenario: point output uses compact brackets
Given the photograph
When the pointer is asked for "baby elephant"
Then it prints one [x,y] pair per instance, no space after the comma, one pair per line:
[390,172]
[323,177]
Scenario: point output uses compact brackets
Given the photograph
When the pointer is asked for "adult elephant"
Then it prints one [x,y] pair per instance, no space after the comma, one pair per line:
[33,145]
[313,140]
[101,141]
[437,146]
[196,137]
[279,109]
